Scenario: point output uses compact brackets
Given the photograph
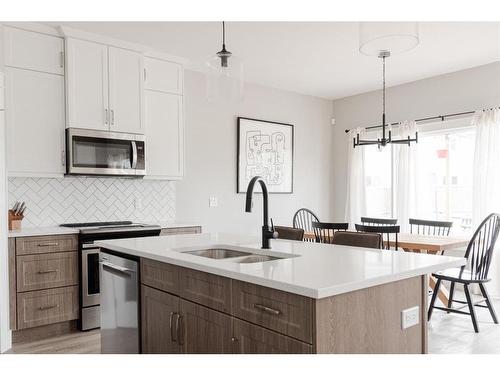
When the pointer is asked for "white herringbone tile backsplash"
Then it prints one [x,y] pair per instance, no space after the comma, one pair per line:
[52,201]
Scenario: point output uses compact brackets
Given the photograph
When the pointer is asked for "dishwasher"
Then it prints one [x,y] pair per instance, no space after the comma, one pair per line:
[119,304]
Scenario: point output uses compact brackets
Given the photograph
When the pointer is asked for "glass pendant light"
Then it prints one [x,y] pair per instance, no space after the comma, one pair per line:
[224,75]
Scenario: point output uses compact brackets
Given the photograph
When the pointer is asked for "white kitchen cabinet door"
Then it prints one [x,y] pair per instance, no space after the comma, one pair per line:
[87,85]
[34,51]
[163,76]
[125,90]
[164,135]
[34,109]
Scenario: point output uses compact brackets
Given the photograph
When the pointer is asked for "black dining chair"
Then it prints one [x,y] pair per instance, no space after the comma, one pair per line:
[303,219]
[287,233]
[384,230]
[375,221]
[324,231]
[478,254]
[430,227]
[358,239]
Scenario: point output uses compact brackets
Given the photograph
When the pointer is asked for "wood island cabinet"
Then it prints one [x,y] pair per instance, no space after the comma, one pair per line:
[189,311]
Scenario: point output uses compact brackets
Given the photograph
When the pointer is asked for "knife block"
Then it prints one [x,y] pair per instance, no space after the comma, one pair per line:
[15,221]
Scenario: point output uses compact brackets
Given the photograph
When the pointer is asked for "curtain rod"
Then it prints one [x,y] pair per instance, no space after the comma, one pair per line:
[440,117]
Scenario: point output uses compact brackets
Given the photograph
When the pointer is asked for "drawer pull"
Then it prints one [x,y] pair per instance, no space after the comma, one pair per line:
[47,244]
[266,309]
[43,308]
[47,271]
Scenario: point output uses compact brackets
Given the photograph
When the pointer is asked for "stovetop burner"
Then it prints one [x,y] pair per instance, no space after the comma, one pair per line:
[96,224]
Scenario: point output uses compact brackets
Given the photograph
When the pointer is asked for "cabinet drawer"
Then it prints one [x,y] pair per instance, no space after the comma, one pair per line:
[280,311]
[160,275]
[206,289]
[252,339]
[183,230]
[47,306]
[46,244]
[44,271]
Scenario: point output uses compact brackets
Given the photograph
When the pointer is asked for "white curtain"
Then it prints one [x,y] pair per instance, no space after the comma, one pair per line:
[356,192]
[406,176]
[486,178]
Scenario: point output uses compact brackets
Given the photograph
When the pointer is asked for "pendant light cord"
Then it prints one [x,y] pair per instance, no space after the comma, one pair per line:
[223,34]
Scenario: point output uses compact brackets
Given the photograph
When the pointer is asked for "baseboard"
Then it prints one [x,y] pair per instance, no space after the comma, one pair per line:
[43,332]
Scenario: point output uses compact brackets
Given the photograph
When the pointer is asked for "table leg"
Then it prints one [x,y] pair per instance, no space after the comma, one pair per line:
[442,293]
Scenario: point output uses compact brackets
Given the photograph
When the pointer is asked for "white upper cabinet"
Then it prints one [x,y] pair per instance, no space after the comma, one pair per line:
[163,76]
[87,85]
[35,123]
[33,51]
[164,135]
[125,90]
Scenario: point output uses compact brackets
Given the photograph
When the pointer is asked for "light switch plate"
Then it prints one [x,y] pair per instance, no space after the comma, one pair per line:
[410,317]
[212,202]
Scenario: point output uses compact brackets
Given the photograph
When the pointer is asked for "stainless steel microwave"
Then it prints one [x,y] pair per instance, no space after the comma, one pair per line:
[95,152]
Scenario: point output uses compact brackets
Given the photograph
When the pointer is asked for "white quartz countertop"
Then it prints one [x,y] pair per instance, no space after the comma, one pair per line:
[313,270]
[54,230]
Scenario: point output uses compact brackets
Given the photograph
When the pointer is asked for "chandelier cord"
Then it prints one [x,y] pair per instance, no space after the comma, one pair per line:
[223,34]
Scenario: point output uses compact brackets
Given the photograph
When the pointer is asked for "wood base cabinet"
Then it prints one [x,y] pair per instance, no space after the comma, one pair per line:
[189,311]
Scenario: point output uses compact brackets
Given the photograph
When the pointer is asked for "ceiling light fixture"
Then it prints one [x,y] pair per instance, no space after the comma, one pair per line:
[382,40]
[225,74]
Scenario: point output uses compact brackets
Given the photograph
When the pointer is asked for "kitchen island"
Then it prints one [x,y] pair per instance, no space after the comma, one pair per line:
[221,293]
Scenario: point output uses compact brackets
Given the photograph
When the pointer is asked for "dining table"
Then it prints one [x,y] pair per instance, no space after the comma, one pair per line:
[423,244]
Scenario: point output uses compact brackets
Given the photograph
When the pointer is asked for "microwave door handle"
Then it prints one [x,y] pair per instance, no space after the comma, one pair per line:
[134,155]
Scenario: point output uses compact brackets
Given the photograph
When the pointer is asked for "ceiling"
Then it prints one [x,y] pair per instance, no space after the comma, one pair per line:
[313,58]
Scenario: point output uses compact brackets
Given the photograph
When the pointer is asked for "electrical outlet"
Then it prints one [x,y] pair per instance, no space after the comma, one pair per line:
[212,202]
[410,317]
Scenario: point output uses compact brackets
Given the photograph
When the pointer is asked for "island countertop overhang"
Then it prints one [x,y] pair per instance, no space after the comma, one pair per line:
[314,270]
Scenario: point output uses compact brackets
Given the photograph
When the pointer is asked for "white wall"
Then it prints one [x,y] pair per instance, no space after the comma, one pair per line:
[466,90]
[211,157]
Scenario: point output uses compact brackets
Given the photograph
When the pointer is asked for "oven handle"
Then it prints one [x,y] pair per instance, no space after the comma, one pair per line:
[134,155]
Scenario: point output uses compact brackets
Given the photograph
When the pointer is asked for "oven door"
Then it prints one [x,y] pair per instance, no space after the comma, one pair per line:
[90,277]
[93,152]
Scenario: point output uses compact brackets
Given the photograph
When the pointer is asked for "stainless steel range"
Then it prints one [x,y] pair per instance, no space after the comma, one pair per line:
[89,261]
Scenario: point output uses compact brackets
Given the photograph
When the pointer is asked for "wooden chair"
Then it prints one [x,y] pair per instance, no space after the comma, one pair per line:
[303,219]
[378,221]
[478,254]
[324,231]
[430,227]
[386,230]
[358,239]
[287,233]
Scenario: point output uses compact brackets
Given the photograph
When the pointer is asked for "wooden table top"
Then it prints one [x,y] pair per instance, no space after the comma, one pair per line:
[421,242]
[429,243]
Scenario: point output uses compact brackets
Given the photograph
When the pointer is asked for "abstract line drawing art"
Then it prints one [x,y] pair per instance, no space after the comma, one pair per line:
[265,149]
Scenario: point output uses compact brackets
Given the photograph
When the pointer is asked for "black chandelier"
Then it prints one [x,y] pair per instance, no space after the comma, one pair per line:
[386,133]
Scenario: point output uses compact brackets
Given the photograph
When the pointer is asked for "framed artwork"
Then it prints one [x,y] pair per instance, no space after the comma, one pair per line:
[265,148]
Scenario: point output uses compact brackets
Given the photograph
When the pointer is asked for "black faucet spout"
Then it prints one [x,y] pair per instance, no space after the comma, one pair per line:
[267,234]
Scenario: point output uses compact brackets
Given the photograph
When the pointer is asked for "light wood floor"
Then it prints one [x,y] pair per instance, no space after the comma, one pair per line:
[70,343]
[448,333]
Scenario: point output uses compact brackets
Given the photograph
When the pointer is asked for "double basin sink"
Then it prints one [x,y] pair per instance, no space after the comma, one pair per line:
[235,256]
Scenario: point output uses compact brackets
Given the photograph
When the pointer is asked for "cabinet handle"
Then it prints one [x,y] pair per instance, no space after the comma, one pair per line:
[47,244]
[63,158]
[48,271]
[144,74]
[61,59]
[180,330]
[266,309]
[43,308]
[112,117]
[234,341]
[172,336]
[106,116]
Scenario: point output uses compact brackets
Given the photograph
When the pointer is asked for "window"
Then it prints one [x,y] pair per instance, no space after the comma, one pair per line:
[444,177]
